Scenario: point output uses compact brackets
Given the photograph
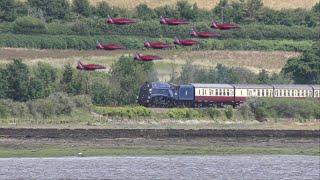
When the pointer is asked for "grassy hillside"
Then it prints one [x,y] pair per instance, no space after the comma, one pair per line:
[208,4]
[253,60]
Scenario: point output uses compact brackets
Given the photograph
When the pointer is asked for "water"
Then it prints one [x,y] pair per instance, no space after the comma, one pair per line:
[163,167]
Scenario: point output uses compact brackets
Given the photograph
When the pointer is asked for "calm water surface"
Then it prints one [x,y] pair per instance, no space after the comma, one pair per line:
[163,167]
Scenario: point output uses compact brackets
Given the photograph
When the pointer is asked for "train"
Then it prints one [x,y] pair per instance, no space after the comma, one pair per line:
[166,95]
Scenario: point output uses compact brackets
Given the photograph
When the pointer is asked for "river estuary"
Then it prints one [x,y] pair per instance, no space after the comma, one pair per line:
[163,167]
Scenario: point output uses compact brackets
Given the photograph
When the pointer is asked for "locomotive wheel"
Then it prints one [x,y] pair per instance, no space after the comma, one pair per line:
[161,102]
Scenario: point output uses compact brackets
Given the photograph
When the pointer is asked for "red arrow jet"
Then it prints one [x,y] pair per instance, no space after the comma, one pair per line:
[89,67]
[223,26]
[156,45]
[172,22]
[139,57]
[195,33]
[185,42]
[108,47]
[119,21]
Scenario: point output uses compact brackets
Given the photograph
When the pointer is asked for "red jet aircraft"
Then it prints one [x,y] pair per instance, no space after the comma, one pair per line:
[119,21]
[139,57]
[156,45]
[195,33]
[108,47]
[89,67]
[185,42]
[172,22]
[223,26]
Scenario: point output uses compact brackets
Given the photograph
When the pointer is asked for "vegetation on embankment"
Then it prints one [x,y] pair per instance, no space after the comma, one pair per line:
[61,151]
[136,43]
[152,29]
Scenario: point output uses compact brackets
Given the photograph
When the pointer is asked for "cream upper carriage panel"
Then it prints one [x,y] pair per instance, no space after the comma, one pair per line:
[213,89]
[297,91]
[253,90]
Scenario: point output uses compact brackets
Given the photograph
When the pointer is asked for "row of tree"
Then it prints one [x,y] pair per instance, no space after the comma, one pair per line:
[242,11]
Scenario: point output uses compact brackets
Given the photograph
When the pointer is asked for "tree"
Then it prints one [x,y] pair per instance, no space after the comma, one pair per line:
[43,81]
[187,73]
[127,76]
[305,69]
[66,81]
[185,10]
[316,8]
[8,11]
[263,77]
[52,9]
[222,11]
[167,11]
[238,11]
[82,7]
[144,12]
[253,9]
[29,25]
[3,83]
[103,9]
[18,75]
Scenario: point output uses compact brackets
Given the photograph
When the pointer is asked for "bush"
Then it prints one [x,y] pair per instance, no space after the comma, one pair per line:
[124,112]
[3,111]
[213,113]
[177,113]
[229,112]
[284,108]
[63,105]
[82,101]
[29,25]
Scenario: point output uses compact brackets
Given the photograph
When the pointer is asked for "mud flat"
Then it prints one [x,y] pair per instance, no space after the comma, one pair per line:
[151,133]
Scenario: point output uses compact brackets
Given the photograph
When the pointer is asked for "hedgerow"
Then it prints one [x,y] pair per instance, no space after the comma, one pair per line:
[135,42]
[153,29]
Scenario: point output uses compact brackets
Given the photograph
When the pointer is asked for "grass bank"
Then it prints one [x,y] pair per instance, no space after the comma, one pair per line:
[88,151]
[147,147]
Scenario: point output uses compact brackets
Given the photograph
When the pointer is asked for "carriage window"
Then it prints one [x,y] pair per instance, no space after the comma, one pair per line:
[220,92]
[249,92]
[216,92]
[258,92]
[302,94]
[241,92]
[298,94]
[227,92]
[262,93]
[199,92]
[224,92]
[276,93]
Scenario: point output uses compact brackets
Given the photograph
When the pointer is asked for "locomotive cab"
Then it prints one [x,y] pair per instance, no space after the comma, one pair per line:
[156,94]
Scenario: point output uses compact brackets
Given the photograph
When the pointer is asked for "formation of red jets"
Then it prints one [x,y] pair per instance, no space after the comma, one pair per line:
[157,44]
